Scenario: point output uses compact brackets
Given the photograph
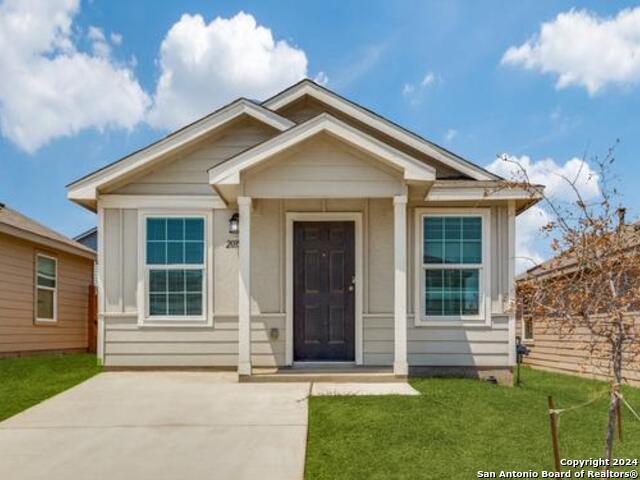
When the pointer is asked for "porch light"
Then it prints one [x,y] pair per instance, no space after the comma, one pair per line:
[234,225]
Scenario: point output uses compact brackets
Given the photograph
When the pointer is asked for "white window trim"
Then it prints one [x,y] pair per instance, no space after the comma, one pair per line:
[524,331]
[483,318]
[53,289]
[144,319]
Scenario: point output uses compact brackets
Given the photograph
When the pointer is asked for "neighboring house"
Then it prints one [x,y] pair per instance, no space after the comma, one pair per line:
[303,229]
[88,239]
[553,346]
[45,279]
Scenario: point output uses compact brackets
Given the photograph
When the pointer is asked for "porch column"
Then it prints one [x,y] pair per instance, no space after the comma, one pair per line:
[400,365]
[244,287]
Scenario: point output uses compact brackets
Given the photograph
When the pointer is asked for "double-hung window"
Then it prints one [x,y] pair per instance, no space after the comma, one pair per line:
[46,288]
[175,268]
[453,273]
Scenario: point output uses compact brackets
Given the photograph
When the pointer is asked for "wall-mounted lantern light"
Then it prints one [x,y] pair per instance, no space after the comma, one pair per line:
[234,223]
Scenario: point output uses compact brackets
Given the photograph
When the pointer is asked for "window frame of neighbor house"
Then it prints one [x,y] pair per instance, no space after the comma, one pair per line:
[169,258]
[462,224]
[527,319]
[38,287]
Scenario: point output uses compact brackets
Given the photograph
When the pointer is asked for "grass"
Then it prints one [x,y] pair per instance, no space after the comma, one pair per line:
[26,381]
[458,427]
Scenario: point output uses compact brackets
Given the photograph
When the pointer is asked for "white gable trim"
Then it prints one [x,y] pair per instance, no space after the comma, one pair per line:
[86,188]
[229,171]
[307,87]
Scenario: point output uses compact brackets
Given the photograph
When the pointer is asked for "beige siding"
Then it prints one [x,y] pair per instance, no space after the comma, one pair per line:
[566,352]
[322,166]
[427,346]
[479,346]
[18,331]
[316,167]
[186,173]
[217,346]
[120,260]
[307,108]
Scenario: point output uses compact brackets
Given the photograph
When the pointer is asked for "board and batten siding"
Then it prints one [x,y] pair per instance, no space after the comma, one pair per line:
[18,331]
[127,344]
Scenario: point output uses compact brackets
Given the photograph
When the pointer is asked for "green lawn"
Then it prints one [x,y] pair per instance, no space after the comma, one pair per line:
[457,427]
[26,381]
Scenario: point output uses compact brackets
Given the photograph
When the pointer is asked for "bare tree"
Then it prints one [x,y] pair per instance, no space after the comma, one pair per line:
[590,290]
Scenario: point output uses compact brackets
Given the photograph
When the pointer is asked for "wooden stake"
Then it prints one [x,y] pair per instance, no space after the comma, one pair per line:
[553,418]
[619,415]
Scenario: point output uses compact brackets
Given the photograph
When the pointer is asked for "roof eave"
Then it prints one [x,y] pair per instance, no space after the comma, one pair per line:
[228,172]
[307,86]
[84,190]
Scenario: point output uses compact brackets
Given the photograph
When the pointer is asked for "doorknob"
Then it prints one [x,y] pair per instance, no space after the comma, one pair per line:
[353,283]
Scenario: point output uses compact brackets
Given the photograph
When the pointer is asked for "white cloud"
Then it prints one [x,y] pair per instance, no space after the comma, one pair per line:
[530,245]
[204,65]
[584,49]
[547,172]
[99,43]
[414,92]
[408,89]
[115,38]
[49,89]
[450,135]
[429,79]
[321,79]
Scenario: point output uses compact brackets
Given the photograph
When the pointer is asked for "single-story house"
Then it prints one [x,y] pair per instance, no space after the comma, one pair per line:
[301,230]
[45,281]
[552,345]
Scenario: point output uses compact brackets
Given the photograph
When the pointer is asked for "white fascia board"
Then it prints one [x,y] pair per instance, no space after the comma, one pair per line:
[444,193]
[86,188]
[385,126]
[229,172]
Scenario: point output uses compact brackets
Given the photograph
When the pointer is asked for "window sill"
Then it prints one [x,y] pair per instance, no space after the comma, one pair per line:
[45,322]
[480,323]
[175,323]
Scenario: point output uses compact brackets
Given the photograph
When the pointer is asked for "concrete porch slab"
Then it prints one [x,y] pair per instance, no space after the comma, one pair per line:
[327,389]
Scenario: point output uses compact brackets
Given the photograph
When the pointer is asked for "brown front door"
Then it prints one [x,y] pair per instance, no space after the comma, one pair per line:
[323,291]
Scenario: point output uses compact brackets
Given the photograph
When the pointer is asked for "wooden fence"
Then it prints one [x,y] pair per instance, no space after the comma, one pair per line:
[92,319]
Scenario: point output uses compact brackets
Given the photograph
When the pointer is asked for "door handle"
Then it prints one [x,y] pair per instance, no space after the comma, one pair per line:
[352,287]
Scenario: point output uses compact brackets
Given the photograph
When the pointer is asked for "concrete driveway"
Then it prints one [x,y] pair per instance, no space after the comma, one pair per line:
[160,425]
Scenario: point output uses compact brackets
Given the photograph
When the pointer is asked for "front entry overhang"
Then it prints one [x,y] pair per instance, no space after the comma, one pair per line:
[226,178]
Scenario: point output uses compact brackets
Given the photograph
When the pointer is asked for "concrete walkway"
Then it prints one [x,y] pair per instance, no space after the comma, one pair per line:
[160,425]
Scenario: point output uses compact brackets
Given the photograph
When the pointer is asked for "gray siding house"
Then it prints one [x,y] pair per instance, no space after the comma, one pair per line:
[301,230]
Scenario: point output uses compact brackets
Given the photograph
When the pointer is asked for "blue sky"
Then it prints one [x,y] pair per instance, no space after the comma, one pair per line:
[436,67]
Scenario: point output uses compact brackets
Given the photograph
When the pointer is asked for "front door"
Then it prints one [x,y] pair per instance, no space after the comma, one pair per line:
[323,291]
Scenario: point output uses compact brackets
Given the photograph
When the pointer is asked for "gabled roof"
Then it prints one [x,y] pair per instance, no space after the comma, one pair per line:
[18,225]
[228,172]
[564,262]
[312,89]
[84,189]
[89,238]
